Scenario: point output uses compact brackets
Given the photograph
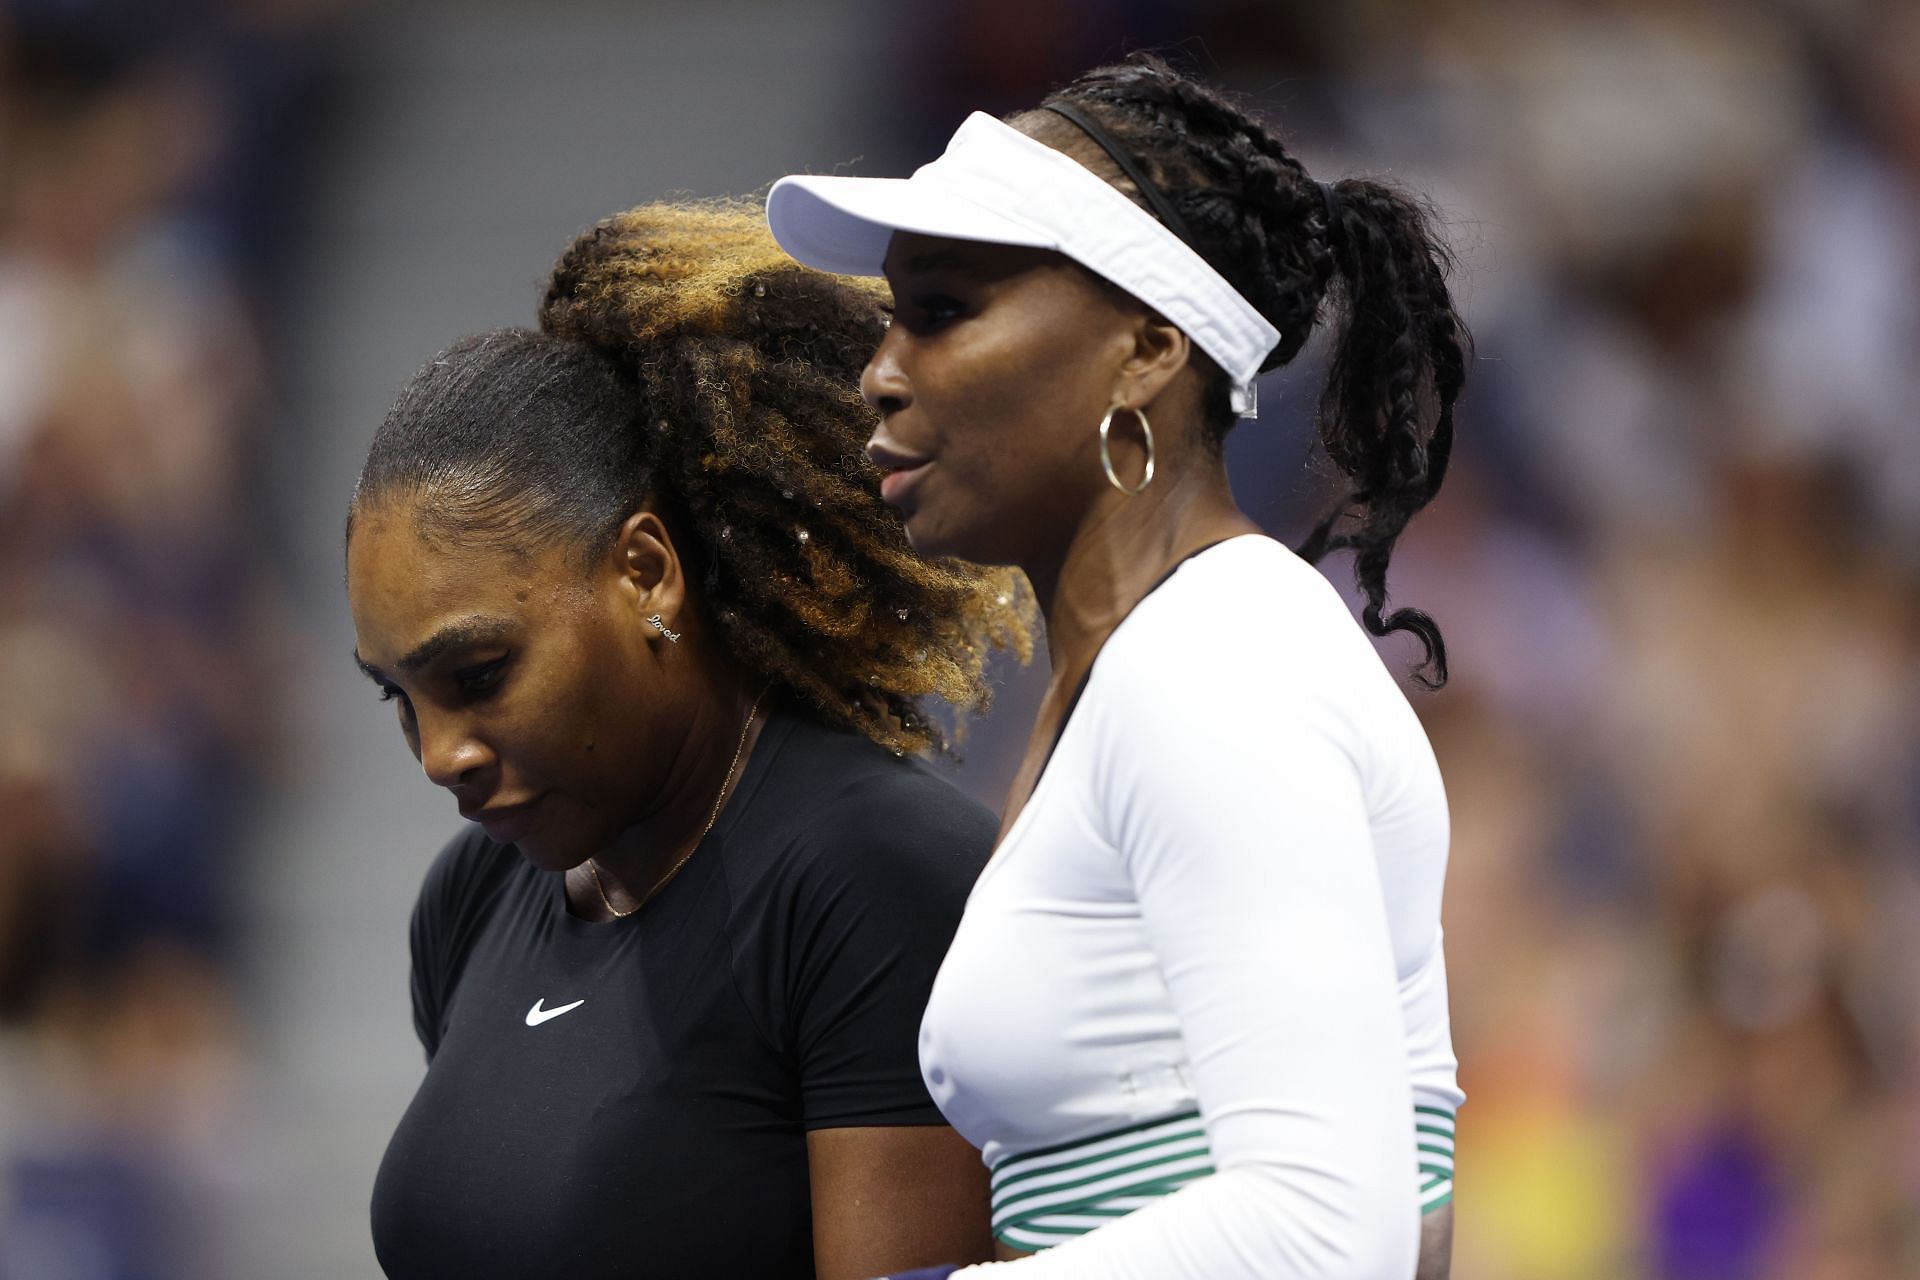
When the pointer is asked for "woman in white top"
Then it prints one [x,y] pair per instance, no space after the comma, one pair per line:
[1195,1015]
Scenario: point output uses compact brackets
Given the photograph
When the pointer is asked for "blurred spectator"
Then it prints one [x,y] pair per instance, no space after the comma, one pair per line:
[136,617]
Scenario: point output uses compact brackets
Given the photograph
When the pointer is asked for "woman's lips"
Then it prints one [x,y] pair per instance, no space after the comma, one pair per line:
[895,486]
[903,467]
[505,824]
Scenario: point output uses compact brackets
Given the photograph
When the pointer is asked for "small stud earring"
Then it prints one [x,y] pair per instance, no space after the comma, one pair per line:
[661,627]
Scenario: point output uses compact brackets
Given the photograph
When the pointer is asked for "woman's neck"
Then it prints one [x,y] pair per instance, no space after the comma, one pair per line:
[1121,549]
[710,756]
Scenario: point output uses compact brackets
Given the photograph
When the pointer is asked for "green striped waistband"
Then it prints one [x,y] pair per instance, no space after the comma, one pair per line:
[1045,1197]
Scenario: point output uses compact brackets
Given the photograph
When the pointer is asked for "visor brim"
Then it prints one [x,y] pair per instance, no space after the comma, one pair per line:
[844,225]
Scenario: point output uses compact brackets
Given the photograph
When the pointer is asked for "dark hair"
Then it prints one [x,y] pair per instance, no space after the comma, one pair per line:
[1386,417]
[686,360]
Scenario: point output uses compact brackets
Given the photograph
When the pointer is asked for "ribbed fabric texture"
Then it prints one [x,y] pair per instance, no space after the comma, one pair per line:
[1433,1130]
[1043,1198]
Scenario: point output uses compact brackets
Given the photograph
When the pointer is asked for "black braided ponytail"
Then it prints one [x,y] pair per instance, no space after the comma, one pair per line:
[1292,247]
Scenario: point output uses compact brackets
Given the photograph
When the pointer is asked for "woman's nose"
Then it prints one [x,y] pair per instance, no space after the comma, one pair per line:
[883,383]
[450,754]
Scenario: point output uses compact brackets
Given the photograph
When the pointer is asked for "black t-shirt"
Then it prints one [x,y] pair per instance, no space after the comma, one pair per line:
[631,1098]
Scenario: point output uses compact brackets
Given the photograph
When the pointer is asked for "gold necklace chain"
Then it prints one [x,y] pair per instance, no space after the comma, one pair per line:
[593,867]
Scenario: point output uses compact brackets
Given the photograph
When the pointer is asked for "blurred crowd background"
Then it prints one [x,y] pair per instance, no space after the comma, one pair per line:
[1677,562]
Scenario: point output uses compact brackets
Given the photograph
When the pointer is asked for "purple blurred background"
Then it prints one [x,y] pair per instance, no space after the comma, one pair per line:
[1678,564]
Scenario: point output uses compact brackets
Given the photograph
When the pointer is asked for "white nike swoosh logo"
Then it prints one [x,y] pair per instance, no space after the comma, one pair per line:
[537,1015]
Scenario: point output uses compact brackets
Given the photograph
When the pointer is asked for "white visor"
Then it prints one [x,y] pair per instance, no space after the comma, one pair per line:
[997,185]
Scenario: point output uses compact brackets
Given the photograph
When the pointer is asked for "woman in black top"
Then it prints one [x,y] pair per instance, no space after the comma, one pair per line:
[631,585]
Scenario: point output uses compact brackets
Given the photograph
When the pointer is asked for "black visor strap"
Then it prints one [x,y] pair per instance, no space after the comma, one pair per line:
[1156,198]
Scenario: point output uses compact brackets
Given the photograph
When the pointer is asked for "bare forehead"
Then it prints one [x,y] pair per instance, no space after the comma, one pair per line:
[470,531]
[403,580]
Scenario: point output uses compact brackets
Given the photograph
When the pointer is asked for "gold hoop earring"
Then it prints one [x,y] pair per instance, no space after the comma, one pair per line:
[1106,457]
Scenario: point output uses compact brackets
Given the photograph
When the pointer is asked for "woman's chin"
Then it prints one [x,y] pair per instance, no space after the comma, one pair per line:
[933,539]
[924,545]
[549,853]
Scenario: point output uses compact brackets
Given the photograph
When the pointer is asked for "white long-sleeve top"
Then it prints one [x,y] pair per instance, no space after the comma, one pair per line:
[1223,896]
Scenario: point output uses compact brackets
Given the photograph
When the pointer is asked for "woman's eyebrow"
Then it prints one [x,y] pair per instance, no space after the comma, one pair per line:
[479,629]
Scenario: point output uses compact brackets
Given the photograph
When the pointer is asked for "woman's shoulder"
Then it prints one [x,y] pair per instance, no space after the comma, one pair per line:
[1243,640]
[838,801]
[1257,581]
[844,772]
[465,875]
[1248,599]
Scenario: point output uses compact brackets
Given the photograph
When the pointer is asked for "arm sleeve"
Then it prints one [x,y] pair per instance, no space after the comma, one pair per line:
[425,976]
[874,914]
[446,917]
[1253,863]
[1436,1091]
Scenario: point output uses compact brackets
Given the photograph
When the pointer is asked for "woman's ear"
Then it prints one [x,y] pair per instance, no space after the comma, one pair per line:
[648,571]
[1160,352]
